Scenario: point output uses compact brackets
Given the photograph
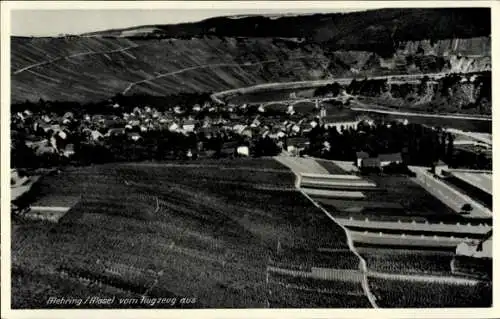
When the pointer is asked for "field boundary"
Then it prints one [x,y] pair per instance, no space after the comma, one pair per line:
[350,243]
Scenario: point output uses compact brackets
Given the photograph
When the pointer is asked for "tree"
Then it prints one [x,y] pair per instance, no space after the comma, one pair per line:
[266,147]
[450,149]
[466,209]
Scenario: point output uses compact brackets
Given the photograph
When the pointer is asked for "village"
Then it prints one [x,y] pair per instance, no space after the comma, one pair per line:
[198,130]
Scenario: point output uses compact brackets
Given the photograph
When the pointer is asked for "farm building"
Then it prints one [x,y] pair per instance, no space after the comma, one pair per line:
[371,162]
[439,167]
[230,149]
[242,151]
[394,158]
[360,156]
[188,126]
[363,160]
[296,144]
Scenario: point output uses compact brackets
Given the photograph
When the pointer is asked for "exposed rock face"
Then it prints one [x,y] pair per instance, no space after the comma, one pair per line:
[449,55]
[479,46]
[463,93]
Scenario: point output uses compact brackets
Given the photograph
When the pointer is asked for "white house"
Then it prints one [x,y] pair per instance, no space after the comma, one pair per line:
[242,151]
[134,136]
[69,150]
[173,127]
[96,135]
[439,167]
[188,126]
[62,134]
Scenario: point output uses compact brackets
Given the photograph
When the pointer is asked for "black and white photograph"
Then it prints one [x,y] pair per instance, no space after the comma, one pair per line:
[332,156]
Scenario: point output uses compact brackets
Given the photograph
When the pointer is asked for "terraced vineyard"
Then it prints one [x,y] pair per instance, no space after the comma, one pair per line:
[407,261]
[90,69]
[387,225]
[196,230]
[235,234]
[406,294]
[395,198]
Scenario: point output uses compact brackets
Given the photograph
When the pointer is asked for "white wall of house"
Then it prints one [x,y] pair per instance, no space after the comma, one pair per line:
[243,151]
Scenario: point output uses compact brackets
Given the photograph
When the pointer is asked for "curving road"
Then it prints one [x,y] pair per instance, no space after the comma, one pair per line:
[205,66]
[35,65]
[447,116]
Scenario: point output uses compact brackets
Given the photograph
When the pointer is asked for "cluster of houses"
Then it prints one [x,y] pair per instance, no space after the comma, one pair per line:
[55,134]
[44,134]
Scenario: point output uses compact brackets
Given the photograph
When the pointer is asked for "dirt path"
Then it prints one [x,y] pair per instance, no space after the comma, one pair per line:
[26,68]
[363,107]
[240,168]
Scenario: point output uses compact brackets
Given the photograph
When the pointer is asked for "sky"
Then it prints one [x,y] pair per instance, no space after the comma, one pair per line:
[55,22]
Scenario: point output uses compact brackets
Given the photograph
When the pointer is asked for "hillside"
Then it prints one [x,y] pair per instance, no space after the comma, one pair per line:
[342,30]
[202,231]
[226,53]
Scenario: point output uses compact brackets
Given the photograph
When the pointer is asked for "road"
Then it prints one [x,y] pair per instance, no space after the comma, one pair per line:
[475,136]
[313,83]
[383,110]
[206,66]
[447,116]
[447,194]
[54,60]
